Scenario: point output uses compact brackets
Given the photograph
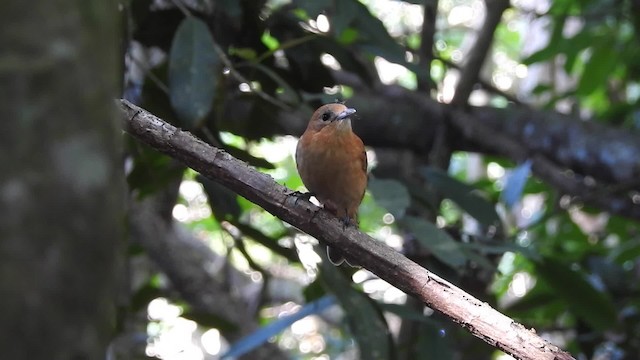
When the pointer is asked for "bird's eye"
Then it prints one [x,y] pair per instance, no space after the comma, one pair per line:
[326,116]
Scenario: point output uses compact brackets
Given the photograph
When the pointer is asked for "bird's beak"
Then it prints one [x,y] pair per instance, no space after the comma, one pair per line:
[345,114]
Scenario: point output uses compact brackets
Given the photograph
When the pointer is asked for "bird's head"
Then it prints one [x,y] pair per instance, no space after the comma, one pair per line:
[331,116]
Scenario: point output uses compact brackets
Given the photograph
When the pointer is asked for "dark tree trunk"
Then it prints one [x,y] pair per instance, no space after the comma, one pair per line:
[61,187]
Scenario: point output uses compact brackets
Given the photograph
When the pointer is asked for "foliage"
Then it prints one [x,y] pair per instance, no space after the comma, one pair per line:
[230,69]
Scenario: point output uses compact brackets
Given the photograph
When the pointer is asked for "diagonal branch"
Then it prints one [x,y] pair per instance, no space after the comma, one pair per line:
[479,52]
[190,264]
[476,316]
[485,84]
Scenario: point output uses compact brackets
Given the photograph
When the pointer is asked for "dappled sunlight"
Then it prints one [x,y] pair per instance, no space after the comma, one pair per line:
[212,342]
[391,73]
[171,337]
[522,282]
[195,207]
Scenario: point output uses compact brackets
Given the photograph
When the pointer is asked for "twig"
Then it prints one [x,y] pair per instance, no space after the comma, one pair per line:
[287,45]
[485,84]
[156,80]
[474,315]
[185,11]
[239,244]
[240,78]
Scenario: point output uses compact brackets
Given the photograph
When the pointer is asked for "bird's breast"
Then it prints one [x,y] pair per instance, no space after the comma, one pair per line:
[331,166]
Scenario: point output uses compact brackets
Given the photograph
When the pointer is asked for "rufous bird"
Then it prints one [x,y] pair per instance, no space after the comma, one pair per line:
[332,163]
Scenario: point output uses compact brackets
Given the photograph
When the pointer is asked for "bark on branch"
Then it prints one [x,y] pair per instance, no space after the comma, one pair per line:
[476,316]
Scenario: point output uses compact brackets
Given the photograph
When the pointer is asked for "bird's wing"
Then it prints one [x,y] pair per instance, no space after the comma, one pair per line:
[298,155]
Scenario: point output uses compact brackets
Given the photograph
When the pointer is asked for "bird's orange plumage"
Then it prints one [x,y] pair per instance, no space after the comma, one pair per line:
[332,162]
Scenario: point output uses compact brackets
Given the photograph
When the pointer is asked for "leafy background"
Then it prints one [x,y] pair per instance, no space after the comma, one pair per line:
[222,276]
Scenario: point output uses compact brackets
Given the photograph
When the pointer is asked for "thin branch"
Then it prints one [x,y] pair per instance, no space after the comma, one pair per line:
[238,243]
[182,7]
[485,84]
[474,315]
[240,78]
[426,43]
[477,55]
[147,72]
[190,266]
[284,46]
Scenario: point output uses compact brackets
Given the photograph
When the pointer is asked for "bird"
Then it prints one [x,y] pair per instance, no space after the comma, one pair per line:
[332,164]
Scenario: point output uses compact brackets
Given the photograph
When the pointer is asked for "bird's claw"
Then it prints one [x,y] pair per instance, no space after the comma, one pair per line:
[347,221]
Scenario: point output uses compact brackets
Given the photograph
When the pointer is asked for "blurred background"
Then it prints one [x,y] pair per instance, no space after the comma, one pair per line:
[502,139]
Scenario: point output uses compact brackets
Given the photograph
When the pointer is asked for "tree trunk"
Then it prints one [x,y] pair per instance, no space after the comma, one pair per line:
[61,187]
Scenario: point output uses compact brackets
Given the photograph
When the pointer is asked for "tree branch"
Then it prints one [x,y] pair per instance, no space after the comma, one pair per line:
[588,149]
[566,182]
[485,84]
[426,43]
[477,55]
[190,264]
[476,316]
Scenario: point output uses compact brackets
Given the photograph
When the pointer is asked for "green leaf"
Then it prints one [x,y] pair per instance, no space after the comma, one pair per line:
[574,47]
[269,41]
[193,72]
[243,53]
[348,36]
[345,12]
[599,67]
[463,195]
[365,319]
[553,47]
[443,246]
[627,251]
[587,303]
[391,195]
[541,88]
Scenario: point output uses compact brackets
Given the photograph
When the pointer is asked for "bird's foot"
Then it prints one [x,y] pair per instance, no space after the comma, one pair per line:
[347,221]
